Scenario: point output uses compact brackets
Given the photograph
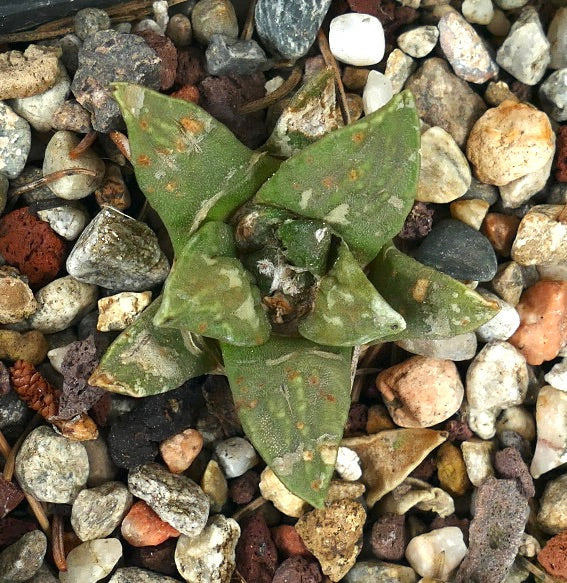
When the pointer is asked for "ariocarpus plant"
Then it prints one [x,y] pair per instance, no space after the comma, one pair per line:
[282,269]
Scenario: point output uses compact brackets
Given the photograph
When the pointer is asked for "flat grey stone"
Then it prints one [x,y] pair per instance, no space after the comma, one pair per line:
[225,55]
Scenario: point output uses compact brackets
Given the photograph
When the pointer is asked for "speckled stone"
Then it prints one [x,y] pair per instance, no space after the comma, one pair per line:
[22,559]
[90,20]
[137,575]
[372,571]
[420,41]
[241,57]
[15,142]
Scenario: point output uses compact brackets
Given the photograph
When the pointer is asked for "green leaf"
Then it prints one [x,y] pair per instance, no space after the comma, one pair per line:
[190,167]
[209,292]
[306,244]
[293,398]
[145,360]
[360,179]
[348,310]
[433,304]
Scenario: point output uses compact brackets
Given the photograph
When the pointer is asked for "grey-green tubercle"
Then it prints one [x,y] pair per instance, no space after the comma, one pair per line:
[268,281]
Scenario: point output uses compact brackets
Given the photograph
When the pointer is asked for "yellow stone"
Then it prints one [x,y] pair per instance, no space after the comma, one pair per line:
[451,470]
[214,485]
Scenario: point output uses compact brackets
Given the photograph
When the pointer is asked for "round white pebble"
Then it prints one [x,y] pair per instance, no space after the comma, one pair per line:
[377,92]
[357,39]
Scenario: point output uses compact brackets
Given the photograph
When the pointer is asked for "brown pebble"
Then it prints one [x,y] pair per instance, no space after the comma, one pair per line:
[354,78]
[553,557]
[256,553]
[113,190]
[10,496]
[288,542]
[245,488]
[501,231]
[298,570]
[389,538]
[167,53]
[378,419]
[29,346]
[190,66]
[356,421]
[458,430]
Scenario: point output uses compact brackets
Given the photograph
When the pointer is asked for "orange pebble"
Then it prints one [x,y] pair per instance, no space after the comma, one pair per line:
[142,527]
[288,541]
[180,450]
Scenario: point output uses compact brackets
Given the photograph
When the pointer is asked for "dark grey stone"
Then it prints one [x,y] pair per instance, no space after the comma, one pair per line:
[90,20]
[21,560]
[226,55]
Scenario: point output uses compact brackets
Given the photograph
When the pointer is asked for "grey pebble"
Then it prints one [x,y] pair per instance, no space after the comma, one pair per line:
[15,141]
[30,174]
[179,30]
[211,17]
[14,414]
[119,253]
[22,559]
[90,20]
[43,575]
[240,57]
[70,46]
[101,468]
[137,575]
[173,497]
[420,41]
[66,220]
[557,36]
[43,469]
[457,348]
[553,95]
[236,456]
[72,116]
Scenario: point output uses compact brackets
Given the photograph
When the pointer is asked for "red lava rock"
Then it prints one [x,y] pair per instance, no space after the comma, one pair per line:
[159,558]
[167,53]
[389,539]
[10,496]
[32,246]
[142,527]
[288,542]
[561,158]
[12,529]
[256,554]
[458,430]
[501,231]
[553,556]
[357,418]
[244,488]
[187,93]
[418,223]
[452,520]
[190,66]
[510,465]
[298,570]
[426,469]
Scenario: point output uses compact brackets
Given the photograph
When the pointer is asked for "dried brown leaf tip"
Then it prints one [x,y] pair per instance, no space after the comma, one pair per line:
[42,397]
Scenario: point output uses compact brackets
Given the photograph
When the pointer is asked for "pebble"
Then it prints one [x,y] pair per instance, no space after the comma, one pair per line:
[503,325]
[520,191]
[497,92]
[101,62]
[179,30]
[456,348]
[137,575]
[552,514]
[478,11]
[421,391]
[499,26]
[175,498]
[236,455]
[71,116]
[15,142]
[482,191]
[180,450]
[477,455]
[341,490]
[142,527]
[43,575]
[509,465]
[557,376]
[29,346]
[543,316]
[377,92]
[496,379]
[553,95]
[226,55]
[90,20]
[470,211]
[210,17]
[117,312]
[561,166]
[399,67]
[333,534]
[68,221]
[423,550]
[39,109]
[58,157]
[557,36]
[369,571]
[357,39]
[415,492]
[272,489]
[70,45]
[354,78]
[4,185]
[452,470]
[519,420]
[298,569]
[98,511]
[16,298]
[118,252]
[43,469]
[256,554]
[420,41]
[495,533]
[167,54]
[348,464]
[244,488]
[22,559]
[29,73]
[444,174]
[389,538]
[465,50]
[101,468]
[62,303]
[508,282]
[209,556]
[91,561]
[445,100]
[553,556]
[113,191]
[288,542]
[214,485]
[459,251]
[289,28]
[551,421]
[525,52]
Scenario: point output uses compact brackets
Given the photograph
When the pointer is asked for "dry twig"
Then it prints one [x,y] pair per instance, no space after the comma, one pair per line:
[87,141]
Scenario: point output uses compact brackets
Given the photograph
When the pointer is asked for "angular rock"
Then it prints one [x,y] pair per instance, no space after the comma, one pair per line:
[509,465]
[117,312]
[452,470]
[22,559]
[500,230]
[90,20]
[477,455]
[273,490]
[519,191]
[236,456]
[241,57]
[552,514]
[377,92]
[214,485]
[553,95]
[167,54]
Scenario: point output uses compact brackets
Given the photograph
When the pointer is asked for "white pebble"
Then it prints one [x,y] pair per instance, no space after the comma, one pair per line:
[557,376]
[56,356]
[273,489]
[503,325]
[357,39]
[91,561]
[477,455]
[160,8]
[66,220]
[478,11]
[517,419]
[117,312]
[348,464]
[399,67]
[236,456]
[377,92]
[419,41]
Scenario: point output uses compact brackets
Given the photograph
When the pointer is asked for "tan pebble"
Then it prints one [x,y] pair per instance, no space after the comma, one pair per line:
[180,450]
[510,141]
[355,106]
[341,489]
[543,315]
[421,391]
[451,470]
[508,282]
[498,92]
[471,211]
[501,231]
[378,419]
[16,299]
[214,485]
[30,346]
[354,78]
[117,312]
[272,489]
[477,455]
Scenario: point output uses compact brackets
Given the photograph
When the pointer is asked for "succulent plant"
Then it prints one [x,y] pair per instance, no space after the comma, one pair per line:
[281,268]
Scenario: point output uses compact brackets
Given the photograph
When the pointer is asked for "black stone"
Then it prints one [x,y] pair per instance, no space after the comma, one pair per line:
[459,251]
[288,27]
[227,55]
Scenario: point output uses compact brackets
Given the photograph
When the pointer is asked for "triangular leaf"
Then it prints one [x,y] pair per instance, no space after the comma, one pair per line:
[433,304]
[361,179]
[190,167]
[209,292]
[348,310]
[306,244]
[293,398]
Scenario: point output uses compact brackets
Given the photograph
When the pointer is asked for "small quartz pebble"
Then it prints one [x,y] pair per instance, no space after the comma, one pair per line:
[553,95]
[210,17]
[176,499]
[98,511]
[421,391]
[22,559]
[91,561]
[214,485]
[551,420]
[16,298]
[236,455]
[552,514]
[137,575]
[209,556]
[519,191]
[477,455]
[90,20]
[444,174]
[62,303]
[456,348]
[377,92]
[399,67]
[142,527]
[30,346]
[525,52]
[348,464]
[119,311]
[519,420]
[240,57]
[15,141]
[420,41]
[43,469]
[478,11]
[68,221]
[389,538]
[57,157]
[465,50]
[557,376]
[553,557]
[557,36]
[357,39]
[469,211]
[272,489]
[503,325]
[423,550]
[180,450]
[373,571]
